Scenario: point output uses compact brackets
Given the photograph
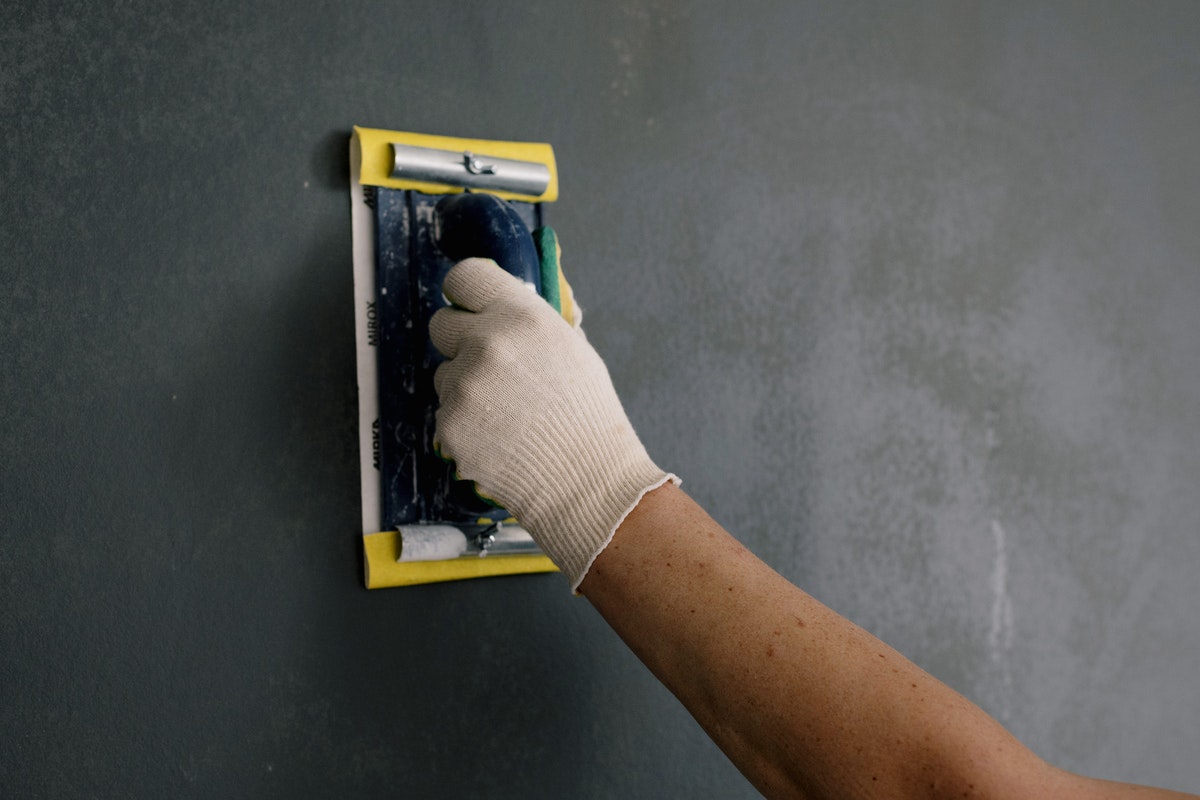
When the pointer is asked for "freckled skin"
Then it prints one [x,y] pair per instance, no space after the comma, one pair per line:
[826,710]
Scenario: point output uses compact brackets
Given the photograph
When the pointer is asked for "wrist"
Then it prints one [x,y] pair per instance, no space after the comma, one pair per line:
[575,521]
[632,547]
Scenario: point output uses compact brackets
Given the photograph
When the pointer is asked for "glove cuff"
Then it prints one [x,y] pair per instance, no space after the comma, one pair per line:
[574,521]
[583,550]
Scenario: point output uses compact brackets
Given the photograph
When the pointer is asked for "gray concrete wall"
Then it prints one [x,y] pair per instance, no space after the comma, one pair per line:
[907,295]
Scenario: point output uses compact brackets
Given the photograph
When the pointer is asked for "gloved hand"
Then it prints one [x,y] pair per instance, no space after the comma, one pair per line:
[528,412]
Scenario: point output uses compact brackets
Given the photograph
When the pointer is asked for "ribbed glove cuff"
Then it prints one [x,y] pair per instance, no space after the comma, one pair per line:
[575,536]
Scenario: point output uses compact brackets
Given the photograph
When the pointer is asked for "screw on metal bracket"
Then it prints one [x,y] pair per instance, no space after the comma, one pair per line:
[477,167]
[485,538]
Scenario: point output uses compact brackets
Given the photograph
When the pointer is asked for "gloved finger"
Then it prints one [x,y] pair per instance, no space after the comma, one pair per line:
[446,329]
[439,450]
[474,282]
[445,373]
[443,449]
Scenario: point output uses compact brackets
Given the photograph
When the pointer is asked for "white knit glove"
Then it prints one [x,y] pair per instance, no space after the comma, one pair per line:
[528,412]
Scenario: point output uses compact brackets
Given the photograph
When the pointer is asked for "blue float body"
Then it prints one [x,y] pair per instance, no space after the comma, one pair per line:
[485,226]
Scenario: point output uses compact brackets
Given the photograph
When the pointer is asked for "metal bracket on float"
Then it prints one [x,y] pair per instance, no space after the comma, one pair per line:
[393,176]
[468,169]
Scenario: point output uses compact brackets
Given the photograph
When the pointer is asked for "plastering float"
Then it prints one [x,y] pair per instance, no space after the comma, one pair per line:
[420,203]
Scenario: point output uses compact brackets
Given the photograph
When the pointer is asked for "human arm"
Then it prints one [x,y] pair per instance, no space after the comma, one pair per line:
[805,703]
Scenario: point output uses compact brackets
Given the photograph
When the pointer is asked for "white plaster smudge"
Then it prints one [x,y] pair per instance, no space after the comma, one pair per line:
[627,74]
[1000,633]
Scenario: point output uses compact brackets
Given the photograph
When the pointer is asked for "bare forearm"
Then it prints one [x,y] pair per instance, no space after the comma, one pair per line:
[804,702]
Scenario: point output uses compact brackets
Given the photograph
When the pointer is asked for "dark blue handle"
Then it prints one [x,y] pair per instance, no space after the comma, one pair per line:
[484,226]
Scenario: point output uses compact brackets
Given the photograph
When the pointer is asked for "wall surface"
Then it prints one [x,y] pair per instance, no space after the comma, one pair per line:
[905,292]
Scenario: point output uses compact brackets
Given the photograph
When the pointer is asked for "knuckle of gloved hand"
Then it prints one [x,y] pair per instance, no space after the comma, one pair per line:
[532,312]
[501,351]
[523,334]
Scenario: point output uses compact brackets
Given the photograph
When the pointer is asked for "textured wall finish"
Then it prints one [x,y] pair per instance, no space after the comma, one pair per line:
[905,293]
